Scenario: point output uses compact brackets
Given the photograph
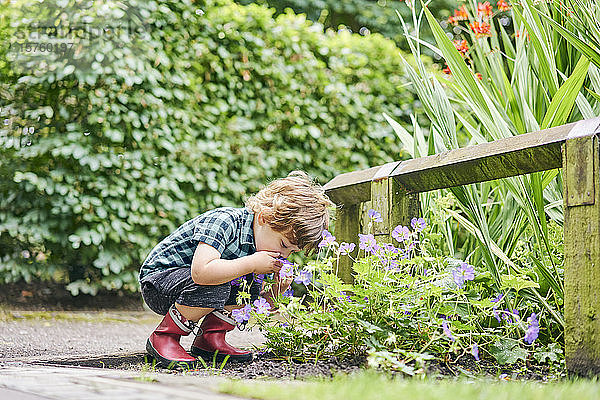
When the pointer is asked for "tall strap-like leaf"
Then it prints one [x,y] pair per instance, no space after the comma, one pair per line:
[563,101]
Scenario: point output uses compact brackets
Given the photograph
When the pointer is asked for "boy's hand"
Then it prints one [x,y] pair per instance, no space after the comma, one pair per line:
[265,262]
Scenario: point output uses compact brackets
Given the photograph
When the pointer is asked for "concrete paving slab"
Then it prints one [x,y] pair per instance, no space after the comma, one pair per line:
[8,394]
[92,383]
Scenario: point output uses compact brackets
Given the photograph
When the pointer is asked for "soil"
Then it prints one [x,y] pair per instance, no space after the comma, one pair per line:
[263,366]
[266,366]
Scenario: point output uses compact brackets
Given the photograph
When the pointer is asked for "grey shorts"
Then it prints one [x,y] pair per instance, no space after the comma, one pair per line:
[175,285]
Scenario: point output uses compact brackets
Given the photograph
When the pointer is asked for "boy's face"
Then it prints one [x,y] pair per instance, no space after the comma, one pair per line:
[268,239]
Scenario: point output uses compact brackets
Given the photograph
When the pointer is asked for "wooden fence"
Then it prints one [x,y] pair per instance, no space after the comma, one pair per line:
[393,190]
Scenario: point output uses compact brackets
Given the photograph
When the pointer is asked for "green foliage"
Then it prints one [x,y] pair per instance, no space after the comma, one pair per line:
[499,85]
[178,107]
[363,16]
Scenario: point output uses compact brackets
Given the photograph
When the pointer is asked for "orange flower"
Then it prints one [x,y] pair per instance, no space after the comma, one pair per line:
[481,28]
[459,15]
[479,76]
[446,70]
[503,5]
[461,46]
[484,10]
[518,34]
[462,13]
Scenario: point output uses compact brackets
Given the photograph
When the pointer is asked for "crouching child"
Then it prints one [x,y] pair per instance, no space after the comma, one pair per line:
[188,275]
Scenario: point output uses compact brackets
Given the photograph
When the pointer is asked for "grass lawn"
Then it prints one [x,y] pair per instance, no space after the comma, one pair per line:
[370,385]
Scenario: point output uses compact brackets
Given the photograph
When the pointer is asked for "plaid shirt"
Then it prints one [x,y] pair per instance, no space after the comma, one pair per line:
[227,229]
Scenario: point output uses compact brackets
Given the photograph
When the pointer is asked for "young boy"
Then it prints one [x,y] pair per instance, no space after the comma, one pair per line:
[188,275]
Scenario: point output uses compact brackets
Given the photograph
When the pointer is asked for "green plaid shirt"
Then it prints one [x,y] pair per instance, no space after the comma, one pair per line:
[227,229]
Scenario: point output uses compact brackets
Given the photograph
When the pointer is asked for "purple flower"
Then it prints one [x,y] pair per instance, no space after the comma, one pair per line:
[258,278]
[374,215]
[463,273]
[533,329]
[394,266]
[475,351]
[496,314]
[304,277]
[391,248]
[287,269]
[446,330]
[241,315]
[344,297]
[328,239]
[418,224]
[288,293]
[376,249]
[346,248]
[367,242]
[401,233]
[262,306]
[510,317]
[468,271]
[495,308]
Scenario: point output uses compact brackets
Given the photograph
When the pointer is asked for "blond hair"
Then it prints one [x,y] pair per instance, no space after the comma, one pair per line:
[295,206]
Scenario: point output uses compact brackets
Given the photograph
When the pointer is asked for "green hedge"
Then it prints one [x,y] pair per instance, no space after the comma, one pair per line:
[198,109]
[376,16]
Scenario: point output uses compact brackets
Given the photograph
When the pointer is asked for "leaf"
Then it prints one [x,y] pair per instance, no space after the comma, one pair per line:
[477,232]
[369,327]
[405,137]
[563,101]
[508,351]
[551,353]
[484,304]
[588,51]
[541,356]
[594,94]
[455,60]
[516,282]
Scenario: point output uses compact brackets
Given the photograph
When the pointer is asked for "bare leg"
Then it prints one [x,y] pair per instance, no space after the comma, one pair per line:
[193,313]
[233,307]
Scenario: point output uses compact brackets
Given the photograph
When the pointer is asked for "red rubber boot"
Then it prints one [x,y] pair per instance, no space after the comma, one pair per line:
[211,339]
[163,343]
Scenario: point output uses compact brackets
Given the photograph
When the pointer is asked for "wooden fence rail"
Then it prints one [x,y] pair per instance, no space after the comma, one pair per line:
[393,190]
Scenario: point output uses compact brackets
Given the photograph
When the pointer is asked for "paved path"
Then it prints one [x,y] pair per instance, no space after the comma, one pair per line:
[92,383]
[32,344]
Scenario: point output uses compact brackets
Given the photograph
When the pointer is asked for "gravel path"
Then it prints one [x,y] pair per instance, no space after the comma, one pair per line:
[26,335]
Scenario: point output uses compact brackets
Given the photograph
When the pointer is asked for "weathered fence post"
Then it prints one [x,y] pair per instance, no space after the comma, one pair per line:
[396,206]
[347,226]
[348,191]
[581,176]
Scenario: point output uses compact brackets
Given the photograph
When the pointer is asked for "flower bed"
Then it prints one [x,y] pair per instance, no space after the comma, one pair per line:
[409,307]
